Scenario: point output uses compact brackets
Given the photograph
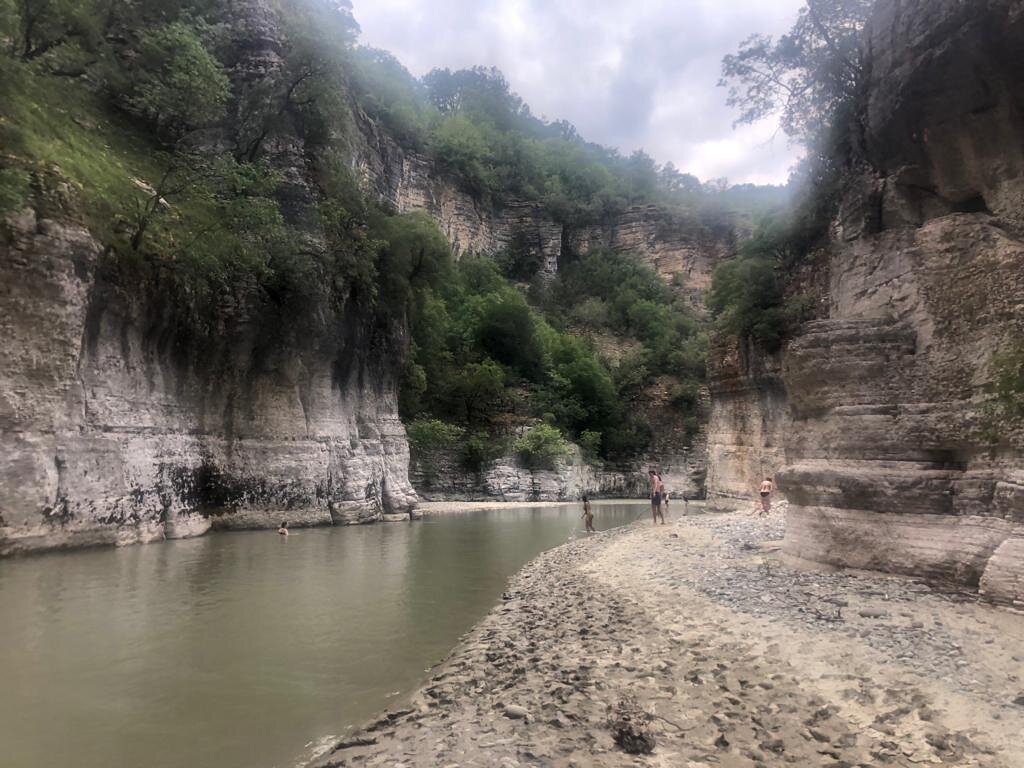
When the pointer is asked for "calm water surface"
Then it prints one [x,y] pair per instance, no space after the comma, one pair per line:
[239,650]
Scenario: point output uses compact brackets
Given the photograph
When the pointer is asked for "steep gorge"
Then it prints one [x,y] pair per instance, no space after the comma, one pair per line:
[120,423]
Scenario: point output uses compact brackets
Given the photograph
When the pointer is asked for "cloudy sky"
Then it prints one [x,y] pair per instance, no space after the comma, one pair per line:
[628,74]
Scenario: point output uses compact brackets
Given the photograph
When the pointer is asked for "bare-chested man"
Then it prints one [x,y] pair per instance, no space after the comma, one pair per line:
[766,496]
[657,491]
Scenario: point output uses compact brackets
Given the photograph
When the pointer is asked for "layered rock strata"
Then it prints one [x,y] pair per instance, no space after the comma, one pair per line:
[673,243]
[747,422]
[894,459]
[110,432]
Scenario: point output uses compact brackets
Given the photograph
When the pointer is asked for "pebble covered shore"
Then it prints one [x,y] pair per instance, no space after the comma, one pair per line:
[693,644]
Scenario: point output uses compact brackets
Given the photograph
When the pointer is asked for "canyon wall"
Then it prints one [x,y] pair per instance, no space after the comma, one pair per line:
[673,243]
[443,477]
[118,425]
[128,416]
[113,429]
[747,422]
[893,459]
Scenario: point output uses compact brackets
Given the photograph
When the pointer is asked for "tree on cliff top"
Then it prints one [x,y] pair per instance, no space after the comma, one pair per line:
[807,76]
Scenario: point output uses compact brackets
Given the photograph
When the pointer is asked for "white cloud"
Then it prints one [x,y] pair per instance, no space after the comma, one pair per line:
[628,75]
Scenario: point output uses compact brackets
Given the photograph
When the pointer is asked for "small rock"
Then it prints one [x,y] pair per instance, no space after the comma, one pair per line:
[873,613]
[515,712]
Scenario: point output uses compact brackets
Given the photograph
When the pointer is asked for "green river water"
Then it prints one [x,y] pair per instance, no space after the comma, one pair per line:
[243,650]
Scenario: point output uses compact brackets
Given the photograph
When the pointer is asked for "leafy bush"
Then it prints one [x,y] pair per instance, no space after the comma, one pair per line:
[427,437]
[480,450]
[175,81]
[541,447]
[521,259]
[590,443]
[1008,387]
[747,296]
[685,396]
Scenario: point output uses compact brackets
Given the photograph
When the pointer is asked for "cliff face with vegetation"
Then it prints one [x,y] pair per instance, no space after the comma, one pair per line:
[113,433]
[899,455]
[134,408]
[677,249]
[218,295]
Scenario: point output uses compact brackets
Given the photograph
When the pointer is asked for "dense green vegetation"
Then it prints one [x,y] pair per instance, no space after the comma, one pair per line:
[172,154]
[748,293]
[480,132]
[131,105]
[485,358]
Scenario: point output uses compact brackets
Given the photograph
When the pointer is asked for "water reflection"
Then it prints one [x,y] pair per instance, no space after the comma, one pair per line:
[238,649]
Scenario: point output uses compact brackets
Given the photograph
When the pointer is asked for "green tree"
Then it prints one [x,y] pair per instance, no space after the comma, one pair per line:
[175,81]
[541,447]
[428,437]
[462,149]
[392,95]
[590,444]
[480,388]
[413,255]
[39,26]
[507,331]
[808,76]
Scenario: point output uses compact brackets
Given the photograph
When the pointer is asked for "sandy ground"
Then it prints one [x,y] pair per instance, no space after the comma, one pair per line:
[693,640]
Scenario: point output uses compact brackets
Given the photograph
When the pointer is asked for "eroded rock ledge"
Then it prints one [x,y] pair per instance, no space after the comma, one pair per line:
[879,411]
[894,461]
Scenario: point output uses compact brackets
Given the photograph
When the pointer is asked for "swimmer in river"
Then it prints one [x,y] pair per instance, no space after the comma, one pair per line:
[588,515]
[283,530]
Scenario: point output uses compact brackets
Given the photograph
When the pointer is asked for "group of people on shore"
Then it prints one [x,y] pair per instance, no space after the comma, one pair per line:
[659,502]
[660,498]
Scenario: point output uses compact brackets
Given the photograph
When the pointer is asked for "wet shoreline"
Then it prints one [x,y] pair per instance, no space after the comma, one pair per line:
[721,654]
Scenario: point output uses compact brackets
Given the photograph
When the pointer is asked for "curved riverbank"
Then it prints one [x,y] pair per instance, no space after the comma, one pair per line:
[723,655]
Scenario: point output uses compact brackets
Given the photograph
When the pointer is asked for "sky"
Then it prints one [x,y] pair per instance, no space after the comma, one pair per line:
[628,74]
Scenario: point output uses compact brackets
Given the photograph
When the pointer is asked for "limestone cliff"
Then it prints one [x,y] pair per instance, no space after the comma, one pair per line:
[124,419]
[126,415]
[747,421]
[115,429]
[671,242]
[890,459]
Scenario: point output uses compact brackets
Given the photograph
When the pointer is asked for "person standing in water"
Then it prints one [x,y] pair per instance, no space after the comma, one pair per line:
[588,515]
[283,530]
[766,496]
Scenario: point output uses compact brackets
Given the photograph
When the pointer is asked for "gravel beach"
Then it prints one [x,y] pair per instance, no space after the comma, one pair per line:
[693,644]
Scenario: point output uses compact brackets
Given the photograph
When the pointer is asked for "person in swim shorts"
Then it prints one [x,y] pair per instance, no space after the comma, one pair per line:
[657,490]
